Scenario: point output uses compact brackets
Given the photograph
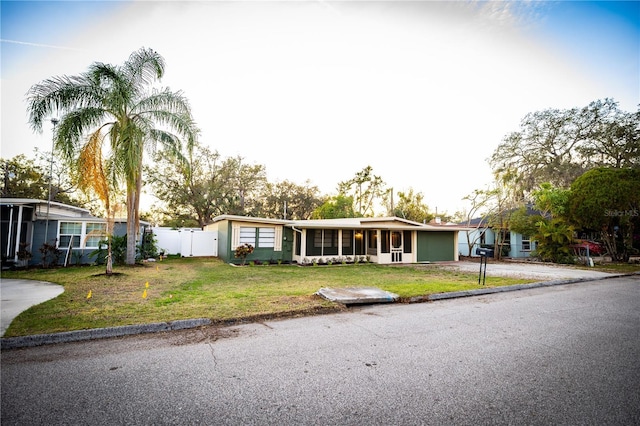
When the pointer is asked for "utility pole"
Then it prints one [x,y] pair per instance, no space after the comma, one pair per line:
[54,121]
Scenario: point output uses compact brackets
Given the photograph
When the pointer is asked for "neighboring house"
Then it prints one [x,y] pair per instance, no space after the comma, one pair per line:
[385,240]
[514,245]
[24,223]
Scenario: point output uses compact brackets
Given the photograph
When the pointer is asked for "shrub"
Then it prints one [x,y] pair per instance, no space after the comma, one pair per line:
[50,254]
[243,251]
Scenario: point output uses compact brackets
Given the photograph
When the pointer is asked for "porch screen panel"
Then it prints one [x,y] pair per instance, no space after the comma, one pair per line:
[385,241]
[322,242]
[330,244]
[359,243]
[407,241]
[372,243]
[347,242]
[314,242]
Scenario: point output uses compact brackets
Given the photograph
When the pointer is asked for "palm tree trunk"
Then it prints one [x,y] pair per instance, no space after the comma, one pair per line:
[133,219]
[109,270]
[131,226]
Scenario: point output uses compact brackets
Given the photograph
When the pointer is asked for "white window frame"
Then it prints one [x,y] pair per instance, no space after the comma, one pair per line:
[98,237]
[247,235]
[268,237]
[82,236]
[71,235]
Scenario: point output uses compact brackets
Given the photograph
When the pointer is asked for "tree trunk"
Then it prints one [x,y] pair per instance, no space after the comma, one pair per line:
[131,226]
[109,262]
[608,238]
[109,270]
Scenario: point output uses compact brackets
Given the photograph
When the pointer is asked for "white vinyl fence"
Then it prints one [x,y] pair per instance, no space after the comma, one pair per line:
[186,241]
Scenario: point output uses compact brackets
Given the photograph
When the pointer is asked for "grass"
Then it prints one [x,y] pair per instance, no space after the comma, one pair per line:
[208,288]
[615,268]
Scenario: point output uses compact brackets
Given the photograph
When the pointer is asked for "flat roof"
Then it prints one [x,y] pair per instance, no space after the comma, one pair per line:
[392,223]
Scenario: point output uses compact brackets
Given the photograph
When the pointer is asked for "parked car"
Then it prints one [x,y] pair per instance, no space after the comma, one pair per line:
[595,248]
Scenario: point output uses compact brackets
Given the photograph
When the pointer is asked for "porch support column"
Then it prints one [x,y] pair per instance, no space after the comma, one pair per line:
[303,244]
[10,231]
[456,252]
[18,231]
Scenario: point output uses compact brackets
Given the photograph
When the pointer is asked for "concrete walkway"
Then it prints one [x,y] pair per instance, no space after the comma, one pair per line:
[19,295]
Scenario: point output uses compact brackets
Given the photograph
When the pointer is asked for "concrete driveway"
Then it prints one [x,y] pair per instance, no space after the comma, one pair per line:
[543,272]
[19,295]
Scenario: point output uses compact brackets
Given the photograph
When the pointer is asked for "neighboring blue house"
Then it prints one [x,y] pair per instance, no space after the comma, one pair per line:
[514,245]
[24,223]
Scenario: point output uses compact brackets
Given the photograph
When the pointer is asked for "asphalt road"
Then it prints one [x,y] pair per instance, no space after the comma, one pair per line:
[555,355]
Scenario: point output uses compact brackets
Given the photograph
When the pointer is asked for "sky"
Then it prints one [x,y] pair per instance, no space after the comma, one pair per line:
[421,91]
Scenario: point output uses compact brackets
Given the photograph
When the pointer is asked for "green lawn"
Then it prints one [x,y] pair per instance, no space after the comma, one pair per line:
[208,288]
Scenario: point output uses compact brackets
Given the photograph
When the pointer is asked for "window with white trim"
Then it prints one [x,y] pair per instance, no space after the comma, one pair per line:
[70,233]
[248,235]
[81,234]
[526,243]
[95,232]
[266,237]
[258,237]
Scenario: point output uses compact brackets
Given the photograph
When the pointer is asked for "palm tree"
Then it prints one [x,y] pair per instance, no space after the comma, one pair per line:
[119,106]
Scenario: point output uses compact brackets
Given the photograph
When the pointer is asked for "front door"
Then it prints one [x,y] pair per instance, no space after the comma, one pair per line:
[396,247]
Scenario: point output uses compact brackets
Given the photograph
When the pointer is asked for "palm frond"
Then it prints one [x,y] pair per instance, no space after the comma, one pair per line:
[144,67]
[91,171]
[58,95]
[74,126]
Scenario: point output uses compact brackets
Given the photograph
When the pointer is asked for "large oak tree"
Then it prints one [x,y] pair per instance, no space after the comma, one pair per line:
[607,200]
[559,145]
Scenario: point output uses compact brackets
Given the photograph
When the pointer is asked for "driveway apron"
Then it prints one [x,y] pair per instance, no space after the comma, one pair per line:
[19,295]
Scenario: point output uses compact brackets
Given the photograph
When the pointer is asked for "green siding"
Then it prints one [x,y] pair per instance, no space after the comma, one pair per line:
[262,254]
[436,246]
[224,241]
[287,245]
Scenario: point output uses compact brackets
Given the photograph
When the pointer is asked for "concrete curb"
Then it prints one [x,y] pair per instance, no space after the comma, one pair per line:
[99,333]
[516,287]
[127,330]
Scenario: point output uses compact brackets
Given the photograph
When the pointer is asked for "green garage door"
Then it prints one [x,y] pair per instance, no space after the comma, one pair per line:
[436,246]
